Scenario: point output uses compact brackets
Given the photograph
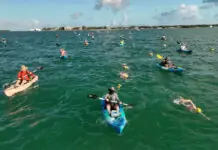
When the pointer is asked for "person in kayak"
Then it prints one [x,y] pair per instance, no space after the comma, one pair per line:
[24,76]
[183,47]
[163,38]
[63,52]
[112,100]
[166,63]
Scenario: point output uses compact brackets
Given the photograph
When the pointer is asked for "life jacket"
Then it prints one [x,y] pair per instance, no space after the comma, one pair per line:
[113,98]
[25,75]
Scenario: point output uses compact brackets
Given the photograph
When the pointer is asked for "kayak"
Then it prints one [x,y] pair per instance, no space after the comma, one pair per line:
[185,51]
[12,90]
[63,57]
[178,69]
[118,123]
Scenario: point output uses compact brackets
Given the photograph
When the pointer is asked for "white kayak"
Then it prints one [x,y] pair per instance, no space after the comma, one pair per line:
[13,90]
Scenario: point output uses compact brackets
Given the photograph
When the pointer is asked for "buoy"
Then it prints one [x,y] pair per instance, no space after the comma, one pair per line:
[198,110]
[119,86]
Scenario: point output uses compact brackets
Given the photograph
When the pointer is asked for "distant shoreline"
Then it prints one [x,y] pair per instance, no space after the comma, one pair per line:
[128,27]
[84,28]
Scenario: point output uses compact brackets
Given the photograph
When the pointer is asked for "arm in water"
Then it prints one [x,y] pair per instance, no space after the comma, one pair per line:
[188,103]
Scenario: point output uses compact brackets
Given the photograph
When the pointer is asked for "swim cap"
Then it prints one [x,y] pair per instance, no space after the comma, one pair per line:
[125,75]
[198,110]
[118,86]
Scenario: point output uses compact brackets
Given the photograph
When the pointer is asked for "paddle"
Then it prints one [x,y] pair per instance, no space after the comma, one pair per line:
[93,96]
[6,85]
[159,56]
[178,42]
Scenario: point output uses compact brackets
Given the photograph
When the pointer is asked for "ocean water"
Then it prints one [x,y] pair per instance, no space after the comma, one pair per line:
[56,114]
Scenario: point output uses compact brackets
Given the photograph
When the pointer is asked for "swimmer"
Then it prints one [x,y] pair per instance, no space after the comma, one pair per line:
[150,54]
[119,86]
[124,75]
[212,49]
[190,106]
[122,42]
[86,43]
[125,66]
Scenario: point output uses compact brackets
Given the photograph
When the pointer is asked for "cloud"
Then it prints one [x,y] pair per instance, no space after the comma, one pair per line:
[115,5]
[184,14]
[216,16]
[76,15]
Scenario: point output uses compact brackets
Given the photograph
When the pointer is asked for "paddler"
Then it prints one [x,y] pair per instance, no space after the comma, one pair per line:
[112,100]
[24,76]
[166,63]
[163,38]
[183,47]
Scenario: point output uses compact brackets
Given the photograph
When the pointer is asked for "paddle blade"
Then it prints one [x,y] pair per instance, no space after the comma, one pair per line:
[6,85]
[40,68]
[127,105]
[92,96]
[159,56]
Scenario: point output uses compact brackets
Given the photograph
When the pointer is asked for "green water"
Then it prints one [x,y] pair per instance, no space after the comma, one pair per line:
[57,115]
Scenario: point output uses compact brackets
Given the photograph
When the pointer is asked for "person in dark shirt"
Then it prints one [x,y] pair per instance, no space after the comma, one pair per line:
[165,62]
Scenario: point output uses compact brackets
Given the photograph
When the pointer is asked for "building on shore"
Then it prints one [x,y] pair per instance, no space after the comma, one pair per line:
[36,29]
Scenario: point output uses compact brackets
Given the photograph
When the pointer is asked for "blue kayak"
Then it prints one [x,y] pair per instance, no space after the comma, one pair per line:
[118,123]
[63,57]
[185,51]
[178,69]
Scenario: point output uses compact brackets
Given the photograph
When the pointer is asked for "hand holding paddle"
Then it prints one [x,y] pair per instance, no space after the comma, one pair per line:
[93,96]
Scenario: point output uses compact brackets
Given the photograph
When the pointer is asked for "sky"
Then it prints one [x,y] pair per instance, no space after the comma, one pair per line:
[27,14]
